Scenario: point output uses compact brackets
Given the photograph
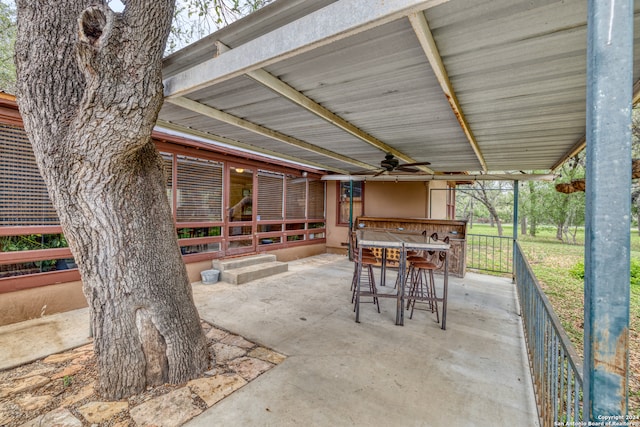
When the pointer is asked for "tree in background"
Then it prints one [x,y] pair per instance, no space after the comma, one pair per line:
[539,203]
[531,208]
[195,19]
[7,40]
[566,211]
[493,196]
[89,89]
[192,20]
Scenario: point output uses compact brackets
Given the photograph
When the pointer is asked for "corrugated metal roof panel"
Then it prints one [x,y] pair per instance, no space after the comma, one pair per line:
[517,69]
[248,28]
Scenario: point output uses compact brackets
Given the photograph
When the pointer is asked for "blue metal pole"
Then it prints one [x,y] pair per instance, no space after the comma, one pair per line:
[608,208]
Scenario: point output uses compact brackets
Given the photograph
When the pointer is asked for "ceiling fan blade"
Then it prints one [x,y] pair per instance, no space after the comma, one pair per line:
[380,173]
[416,164]
[404,168]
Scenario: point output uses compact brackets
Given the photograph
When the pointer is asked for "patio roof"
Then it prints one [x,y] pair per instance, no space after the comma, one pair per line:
[468,85]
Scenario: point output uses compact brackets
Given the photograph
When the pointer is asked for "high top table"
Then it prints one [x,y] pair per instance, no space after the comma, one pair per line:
[402,241]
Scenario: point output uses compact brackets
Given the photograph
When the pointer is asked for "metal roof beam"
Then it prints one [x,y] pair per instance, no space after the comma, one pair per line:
[575,149]
[423,32]
[213,113]
[336,21]
[303,101]
[161,124]
[283,89]
[451,177]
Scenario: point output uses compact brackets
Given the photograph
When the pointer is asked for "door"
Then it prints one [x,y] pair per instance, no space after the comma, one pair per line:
[240,213]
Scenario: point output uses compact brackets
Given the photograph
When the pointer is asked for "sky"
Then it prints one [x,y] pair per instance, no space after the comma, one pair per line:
[116,5]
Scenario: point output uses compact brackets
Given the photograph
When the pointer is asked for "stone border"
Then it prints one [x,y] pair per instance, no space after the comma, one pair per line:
[59,389]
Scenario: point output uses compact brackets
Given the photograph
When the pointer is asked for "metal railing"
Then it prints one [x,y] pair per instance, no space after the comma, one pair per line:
[556,368]
[490,253]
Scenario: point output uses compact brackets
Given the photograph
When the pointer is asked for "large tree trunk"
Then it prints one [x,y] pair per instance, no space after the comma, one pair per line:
[561,223]
[89,90]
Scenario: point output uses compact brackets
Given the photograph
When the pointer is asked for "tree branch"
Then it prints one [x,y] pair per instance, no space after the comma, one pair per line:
[45,42]
[121,57]
[148,16]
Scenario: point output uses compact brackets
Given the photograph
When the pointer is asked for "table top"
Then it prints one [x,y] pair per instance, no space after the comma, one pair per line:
[399,239]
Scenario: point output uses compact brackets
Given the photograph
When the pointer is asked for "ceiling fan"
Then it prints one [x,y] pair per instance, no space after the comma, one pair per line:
[390,164]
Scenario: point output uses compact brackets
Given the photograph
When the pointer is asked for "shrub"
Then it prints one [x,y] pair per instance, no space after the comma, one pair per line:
[577,271]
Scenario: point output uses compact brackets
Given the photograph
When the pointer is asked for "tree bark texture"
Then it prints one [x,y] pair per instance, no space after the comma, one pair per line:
[89,90]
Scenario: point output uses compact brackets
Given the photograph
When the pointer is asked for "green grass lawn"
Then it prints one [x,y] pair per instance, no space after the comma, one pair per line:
[552,261]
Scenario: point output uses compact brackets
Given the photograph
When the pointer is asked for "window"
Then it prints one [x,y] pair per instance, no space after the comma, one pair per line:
[296,198]
[270,196]
[315,208]
[289,209]
[24,199]
[199,184]
[344,200]
[167,160]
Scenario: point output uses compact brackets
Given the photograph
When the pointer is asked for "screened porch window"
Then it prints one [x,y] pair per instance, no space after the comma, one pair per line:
[296,198]
[270,196]
[315,205]
[24,200]
[199,190]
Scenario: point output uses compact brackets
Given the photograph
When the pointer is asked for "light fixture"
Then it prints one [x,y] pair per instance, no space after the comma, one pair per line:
[239,170]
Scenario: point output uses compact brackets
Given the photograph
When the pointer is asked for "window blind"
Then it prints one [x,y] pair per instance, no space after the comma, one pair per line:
[315,208]
[24,199]
[199,186]
[296,198]
[270,195]
[167,160]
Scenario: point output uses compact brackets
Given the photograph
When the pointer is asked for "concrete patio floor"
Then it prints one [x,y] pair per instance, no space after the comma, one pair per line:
[338,372]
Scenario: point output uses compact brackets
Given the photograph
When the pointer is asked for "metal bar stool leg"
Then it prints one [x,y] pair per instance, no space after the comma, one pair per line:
[365,272]
[433,302]
[421,287]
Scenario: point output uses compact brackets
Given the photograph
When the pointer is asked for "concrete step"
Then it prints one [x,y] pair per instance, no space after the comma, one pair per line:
[240,275]
[240,262]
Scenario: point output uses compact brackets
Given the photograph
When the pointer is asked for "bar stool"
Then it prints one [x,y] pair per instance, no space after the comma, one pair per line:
[423,286]
[367,261]
[364,272]
[413,256]
[366,253]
